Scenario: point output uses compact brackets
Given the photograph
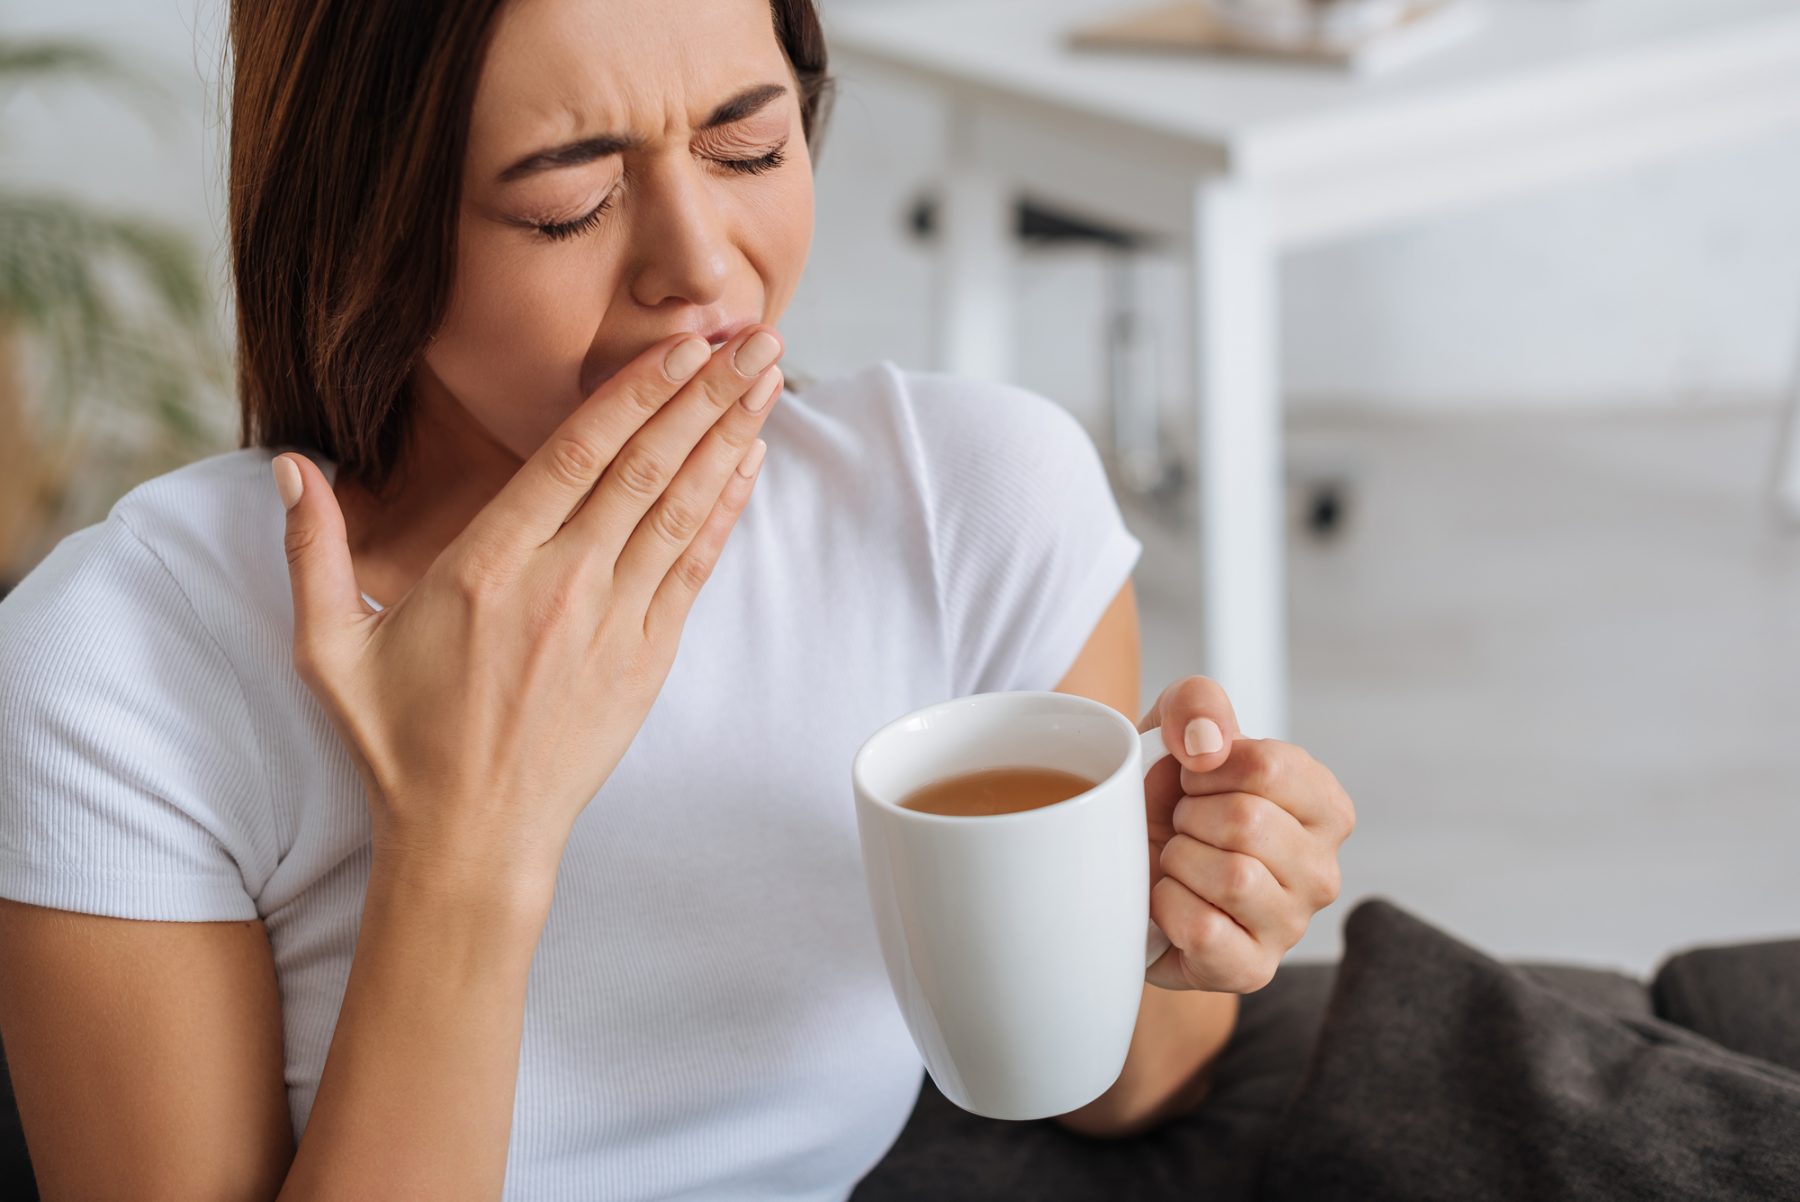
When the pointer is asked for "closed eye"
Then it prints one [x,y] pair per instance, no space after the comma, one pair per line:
[758,165]
[557,231]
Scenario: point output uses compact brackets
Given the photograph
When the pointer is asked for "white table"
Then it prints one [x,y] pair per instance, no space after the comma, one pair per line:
[1242,161]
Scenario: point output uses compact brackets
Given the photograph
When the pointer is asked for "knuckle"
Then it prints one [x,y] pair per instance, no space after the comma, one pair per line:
[640,474]
[676,521]
[647,396]
[1293,928]
[1262,763]
[298,541]
[554,604]
[1200,693]
[693,571]
[573,462]
[737,436]
[1240,821]
[1331,884]
[477,578]
[1204,930]
[1237,876]
[722,391]
[1174,850]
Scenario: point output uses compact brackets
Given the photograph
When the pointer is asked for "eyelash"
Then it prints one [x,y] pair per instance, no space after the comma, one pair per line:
[557,231]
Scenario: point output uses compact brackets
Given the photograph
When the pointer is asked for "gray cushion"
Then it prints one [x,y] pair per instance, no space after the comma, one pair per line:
[948,1154]
[1745,997]
[1440,1072]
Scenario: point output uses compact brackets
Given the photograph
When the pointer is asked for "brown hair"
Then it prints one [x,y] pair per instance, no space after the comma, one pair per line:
[349,120]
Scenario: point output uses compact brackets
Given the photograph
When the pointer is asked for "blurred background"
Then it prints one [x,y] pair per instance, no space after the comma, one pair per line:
[1543,614]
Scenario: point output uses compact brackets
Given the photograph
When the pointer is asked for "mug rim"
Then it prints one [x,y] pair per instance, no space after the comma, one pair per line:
[1073,700]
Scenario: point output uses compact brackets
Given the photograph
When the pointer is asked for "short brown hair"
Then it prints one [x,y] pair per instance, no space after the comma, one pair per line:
[349,121]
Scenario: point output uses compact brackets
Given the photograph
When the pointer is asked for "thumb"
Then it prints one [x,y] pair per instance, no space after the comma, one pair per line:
[318,554]
[1197,721]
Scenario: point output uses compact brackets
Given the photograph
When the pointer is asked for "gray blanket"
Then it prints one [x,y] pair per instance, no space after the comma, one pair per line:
[1441,1073]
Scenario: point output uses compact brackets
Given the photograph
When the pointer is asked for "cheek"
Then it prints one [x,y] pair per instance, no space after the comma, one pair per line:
[520,322]
[784,224]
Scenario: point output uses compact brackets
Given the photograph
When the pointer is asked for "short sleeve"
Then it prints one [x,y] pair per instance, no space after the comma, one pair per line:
[127,759]
[1029,542]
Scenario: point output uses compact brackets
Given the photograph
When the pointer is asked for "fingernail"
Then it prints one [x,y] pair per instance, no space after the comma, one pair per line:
[754,456]
[761,391]
[757,353]
[288,481]
[1203,737]
[687,358]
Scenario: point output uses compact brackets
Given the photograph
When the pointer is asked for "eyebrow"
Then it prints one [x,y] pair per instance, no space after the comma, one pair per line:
[745,103]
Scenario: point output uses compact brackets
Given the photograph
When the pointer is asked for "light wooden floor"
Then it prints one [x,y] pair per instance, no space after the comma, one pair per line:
[1557,662]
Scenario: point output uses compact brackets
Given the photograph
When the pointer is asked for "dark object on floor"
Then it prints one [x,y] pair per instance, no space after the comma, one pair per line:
[1325,506]
[1426,1070]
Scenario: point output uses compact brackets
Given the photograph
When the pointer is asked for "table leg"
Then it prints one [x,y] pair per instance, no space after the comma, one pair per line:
[972,322]
[1238,456]
[1786,482]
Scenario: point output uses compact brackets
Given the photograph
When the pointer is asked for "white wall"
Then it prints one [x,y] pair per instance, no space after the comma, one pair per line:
[1675,284]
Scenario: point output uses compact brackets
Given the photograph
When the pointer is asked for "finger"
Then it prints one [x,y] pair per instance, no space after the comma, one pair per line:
[673,522]
[320,572]
[1239,885]
[1215,953]
[668,609]
[1197,721]
[1252,826]
[637,477]
[552,484]
[1283,773]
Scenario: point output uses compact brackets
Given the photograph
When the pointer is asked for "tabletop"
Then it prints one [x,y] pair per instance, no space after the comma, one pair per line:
[1547,56]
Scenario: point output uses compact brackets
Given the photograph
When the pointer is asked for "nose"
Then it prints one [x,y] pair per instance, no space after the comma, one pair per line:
[683,248]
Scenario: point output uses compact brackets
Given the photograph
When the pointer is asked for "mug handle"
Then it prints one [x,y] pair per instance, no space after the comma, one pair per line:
[1154,748]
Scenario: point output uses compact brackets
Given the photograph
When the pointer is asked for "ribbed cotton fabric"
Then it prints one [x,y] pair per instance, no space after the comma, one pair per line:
[707,1013]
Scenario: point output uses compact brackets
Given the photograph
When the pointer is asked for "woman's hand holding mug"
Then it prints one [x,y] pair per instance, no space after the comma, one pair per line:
[1244,838]
[486,707]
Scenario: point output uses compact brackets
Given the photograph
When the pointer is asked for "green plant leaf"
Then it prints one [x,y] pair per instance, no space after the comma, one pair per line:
[120,305]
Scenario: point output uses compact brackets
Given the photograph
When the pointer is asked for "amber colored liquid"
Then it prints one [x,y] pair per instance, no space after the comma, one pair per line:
[996,791]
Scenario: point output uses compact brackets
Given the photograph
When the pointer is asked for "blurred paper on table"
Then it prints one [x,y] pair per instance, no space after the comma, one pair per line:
[1410,29]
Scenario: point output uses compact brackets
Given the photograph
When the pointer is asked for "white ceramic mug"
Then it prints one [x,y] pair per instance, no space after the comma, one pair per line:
[1016,943]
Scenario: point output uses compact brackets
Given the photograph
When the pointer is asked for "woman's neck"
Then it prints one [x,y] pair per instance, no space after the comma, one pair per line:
[449,469]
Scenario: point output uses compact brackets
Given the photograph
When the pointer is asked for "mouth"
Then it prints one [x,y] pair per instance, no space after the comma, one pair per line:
[716,337]
[719,336]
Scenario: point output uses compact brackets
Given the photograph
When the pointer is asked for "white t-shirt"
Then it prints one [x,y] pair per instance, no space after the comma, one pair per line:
[707,1014]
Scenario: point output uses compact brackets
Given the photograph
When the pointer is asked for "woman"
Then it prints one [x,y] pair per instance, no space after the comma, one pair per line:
[417,863]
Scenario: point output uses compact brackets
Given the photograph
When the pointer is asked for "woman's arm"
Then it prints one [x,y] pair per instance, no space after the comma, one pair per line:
[416,1098]
[147,1056]
[1245,851]
[1178,1032]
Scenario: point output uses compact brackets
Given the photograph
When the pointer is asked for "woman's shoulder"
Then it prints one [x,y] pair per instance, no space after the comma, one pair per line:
[132,781]
[1027,542]
[169,564]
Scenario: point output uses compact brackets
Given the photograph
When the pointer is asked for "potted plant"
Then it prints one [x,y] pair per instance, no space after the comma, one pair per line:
[109,346]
